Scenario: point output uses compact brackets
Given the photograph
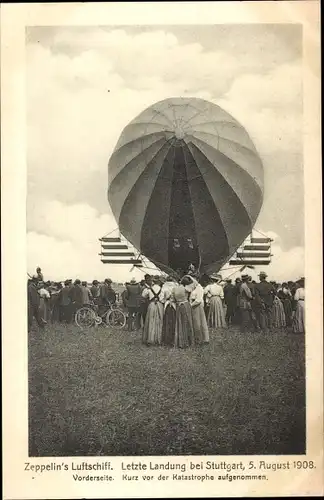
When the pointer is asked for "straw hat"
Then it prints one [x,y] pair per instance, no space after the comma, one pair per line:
[216,277]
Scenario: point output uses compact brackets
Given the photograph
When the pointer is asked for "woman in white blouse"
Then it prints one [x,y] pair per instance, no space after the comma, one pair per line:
[299,316]
[44,301]
[215,295]
[196,299]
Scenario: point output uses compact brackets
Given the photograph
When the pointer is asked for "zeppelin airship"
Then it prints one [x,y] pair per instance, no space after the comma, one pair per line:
[185,184]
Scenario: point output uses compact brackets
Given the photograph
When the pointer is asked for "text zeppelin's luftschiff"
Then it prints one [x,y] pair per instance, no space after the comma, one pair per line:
[185,184]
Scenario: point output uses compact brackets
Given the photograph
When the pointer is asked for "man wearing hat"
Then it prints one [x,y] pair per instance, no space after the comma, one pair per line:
[107,294]
[264,295]
[95,291]
[132,299]
[86,294]
[65,302]
[76,296]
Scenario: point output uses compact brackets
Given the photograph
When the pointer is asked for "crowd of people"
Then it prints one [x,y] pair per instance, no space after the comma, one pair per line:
[176,311]
[50,301]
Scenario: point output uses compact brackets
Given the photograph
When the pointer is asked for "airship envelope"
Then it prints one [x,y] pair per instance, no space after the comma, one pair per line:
[185,184]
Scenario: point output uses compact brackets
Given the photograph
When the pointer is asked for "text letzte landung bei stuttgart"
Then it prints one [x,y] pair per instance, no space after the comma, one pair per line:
[170,466]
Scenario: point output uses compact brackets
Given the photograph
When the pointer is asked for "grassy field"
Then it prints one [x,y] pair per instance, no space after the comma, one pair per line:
[102,392]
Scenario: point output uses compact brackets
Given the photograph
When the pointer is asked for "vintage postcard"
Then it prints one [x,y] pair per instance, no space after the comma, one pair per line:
[161,223]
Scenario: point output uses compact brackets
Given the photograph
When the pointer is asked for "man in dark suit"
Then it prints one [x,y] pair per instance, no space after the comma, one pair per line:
[133,301]
[107,293]
[107,296]
[76,296]
[264,294]
[65,303]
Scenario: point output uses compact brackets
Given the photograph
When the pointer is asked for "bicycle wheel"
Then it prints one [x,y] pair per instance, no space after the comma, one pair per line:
[116,318]
[85,317]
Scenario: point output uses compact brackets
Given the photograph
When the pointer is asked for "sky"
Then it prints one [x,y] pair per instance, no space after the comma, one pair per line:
[84,85]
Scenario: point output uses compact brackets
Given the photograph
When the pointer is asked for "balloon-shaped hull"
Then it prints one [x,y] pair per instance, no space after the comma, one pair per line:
[185,184]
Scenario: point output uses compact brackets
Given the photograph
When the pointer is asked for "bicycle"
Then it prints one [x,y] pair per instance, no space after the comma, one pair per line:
[89,316]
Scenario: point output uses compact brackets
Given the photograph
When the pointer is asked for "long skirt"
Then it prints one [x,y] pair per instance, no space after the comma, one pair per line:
[288,310]
[216,315]
[169,322]
[184,332]
[299,318]
[278,315]
[143,310]
[152,333]
[200,325]
[44,309]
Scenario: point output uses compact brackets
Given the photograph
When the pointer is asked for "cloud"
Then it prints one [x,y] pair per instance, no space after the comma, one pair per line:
[270,107]
[64,241]
[154,53]
[61,259]
[78,106]
[285,264]
[78,224]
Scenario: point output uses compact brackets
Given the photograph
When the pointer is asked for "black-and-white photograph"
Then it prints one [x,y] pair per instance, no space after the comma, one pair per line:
[165,240]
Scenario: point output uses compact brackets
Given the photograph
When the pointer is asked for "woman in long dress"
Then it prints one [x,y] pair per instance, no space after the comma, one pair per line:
[299,314]
[285,296]
[184,332]
[54,302]
[196,300]
[44,301]
[169,318]
[152,332]
[215,295]
[278,313]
